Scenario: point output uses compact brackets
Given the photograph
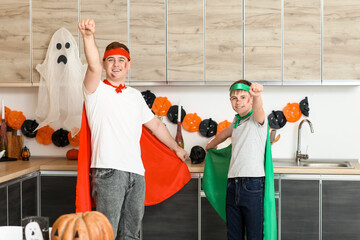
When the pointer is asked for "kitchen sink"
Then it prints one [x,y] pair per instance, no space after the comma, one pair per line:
[313,164]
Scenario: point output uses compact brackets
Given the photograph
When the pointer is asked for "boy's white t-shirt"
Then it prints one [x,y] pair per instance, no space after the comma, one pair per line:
[115,120]
[248,148]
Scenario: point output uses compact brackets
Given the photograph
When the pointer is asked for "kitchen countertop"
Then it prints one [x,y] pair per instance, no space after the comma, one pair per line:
[15,169]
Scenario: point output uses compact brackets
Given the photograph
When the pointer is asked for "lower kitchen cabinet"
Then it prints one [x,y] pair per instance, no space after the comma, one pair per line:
[213,227]
[340,210]
[58,195]
[176,218]
[300,209]
[14,204]
[29,200]
[3,206]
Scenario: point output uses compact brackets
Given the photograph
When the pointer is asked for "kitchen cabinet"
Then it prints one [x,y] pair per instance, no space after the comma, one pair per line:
[15,43]
[262,41]
[341,40]
[223,41]
[47,18]
[176,218]
[340,209]
[111,19]
[185,45]
[302,41]
[148,41]
[58,193]
[213,227]
[18,199]
[300,209]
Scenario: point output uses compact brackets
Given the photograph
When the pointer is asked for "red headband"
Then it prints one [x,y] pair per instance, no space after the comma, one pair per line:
[116,51]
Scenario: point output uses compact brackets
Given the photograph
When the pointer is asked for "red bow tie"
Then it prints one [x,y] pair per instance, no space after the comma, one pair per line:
[117,89]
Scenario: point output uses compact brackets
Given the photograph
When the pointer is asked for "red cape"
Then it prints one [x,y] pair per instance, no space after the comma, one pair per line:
[165,173]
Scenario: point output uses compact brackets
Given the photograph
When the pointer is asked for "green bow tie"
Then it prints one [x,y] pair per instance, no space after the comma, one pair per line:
[236,124]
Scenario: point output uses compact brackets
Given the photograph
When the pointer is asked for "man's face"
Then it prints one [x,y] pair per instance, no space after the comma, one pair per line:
[241,102]
[116,67]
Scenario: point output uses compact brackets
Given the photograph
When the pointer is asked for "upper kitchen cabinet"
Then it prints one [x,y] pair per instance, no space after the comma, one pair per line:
[185,45]
[341,41]
[223,41]
[148,41]
[111,20]
[47,17]
[15,43]
[263,41]
[302,42]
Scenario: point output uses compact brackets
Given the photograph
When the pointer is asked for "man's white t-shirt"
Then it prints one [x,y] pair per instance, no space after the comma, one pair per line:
[115,120]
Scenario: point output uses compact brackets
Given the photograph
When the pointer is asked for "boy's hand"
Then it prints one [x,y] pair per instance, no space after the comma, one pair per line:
[181,153]
[256,89]
[87,27]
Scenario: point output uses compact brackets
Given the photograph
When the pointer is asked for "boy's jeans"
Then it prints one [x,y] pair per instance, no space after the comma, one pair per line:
[245,208]
[120,197]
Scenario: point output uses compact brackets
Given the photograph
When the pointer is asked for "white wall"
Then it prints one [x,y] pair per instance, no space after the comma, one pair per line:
[334,112]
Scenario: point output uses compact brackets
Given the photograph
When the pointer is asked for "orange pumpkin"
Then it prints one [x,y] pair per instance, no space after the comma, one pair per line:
[87,225]
[15,119]
[72,154]
[191,122]
[222,125]
[44,135]
[292,112]
[161,106]
[74,141]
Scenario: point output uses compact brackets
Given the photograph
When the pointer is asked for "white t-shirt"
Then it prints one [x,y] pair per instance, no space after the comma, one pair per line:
[115,121]
[248,148]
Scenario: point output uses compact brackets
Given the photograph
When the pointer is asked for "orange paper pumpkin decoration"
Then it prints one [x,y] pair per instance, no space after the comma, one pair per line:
[74,141]
[221,126]
[15,119]
[44,135]
[87,225]
[191,122]
[292,112]
[72,154]
[161,106]
[7,112]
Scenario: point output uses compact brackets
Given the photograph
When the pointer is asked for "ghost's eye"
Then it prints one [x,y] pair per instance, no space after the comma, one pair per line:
[67,45]
[58,46]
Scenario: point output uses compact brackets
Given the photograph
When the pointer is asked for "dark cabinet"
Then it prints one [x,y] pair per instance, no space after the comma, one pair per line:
[213,227]
[58,195]
[340,210]
[29,200]
[14,206]
[176,218]
[3,206]
[300,209]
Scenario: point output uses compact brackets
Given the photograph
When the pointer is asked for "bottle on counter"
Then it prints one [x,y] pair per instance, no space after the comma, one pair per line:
[179,138]
[3,134]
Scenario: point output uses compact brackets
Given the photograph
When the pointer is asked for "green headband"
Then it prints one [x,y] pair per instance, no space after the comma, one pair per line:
[240,86]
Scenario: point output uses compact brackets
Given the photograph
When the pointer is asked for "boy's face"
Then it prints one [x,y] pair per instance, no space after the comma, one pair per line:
[241,102]
[116,67]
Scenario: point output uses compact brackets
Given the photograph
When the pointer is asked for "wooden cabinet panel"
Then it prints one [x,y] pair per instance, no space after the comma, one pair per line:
[223,40]
[341,210]
[302,40]
[15,41]
[185,41]
[111,19]
[341,53]
[263,40]
[148,40]
[47,17]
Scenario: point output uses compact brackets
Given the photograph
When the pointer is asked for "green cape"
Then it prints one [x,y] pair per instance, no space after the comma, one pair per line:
[215,183]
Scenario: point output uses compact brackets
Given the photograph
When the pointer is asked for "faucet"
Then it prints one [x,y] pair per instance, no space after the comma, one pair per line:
[299,155]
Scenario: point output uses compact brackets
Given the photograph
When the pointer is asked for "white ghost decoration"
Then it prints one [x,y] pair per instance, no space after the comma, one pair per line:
[33,231]
[61,79]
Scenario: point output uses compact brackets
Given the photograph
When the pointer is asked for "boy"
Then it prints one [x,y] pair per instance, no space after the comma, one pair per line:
[245,188]
[115,114]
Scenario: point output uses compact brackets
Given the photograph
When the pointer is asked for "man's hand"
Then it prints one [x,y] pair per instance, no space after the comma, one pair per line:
[181,153]
[87,27]
[256,89]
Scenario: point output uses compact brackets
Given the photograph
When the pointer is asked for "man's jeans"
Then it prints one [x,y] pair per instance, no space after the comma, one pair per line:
[245,208]
[120,197]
